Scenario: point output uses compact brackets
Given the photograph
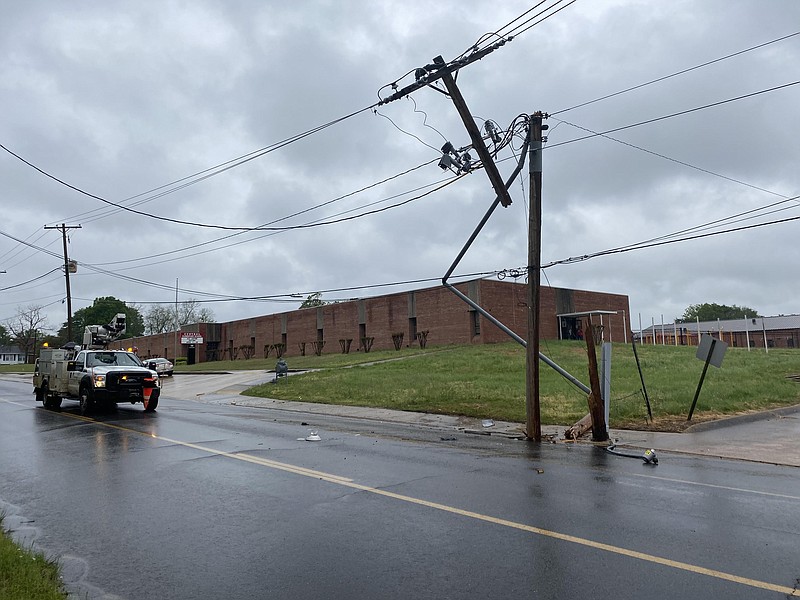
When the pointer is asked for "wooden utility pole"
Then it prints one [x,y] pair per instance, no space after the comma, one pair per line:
[533,422]
[599,433]
[63,229]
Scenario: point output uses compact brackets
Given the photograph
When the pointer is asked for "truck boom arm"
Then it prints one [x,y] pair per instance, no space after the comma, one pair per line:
[99,336]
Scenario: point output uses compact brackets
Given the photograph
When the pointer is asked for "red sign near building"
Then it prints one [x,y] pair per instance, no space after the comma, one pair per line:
[191,337]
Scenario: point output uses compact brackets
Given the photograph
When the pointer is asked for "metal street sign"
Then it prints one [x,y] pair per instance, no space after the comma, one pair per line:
[711,351]
[717,354]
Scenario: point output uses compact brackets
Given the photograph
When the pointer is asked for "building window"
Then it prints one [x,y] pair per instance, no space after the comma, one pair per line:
[476,322]
[412,329]
[319,335]
[790,342]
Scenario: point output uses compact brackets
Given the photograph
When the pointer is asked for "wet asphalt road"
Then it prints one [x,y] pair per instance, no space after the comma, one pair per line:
[216,501]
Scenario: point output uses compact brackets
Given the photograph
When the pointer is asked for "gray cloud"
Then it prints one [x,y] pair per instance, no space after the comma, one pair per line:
[122,99]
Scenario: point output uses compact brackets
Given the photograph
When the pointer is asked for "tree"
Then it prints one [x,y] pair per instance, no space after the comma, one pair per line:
[712,312]
[5,336]
[101,312]
[190,311]
[26,329]
[313,300]
[160,318]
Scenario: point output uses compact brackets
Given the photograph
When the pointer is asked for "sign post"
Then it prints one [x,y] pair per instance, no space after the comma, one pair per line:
[712,351]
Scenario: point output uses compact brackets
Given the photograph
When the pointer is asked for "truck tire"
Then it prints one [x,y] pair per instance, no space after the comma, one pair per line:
[40,392]
[86,400]
[51,401]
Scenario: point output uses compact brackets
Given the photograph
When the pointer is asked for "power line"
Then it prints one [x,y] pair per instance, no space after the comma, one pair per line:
[295,296]
[676,73]
[678,114]
[11,287]
[119,206]
[269,234]
[518,30]
[30,245]
[671,159]
[211,226]
[585,257]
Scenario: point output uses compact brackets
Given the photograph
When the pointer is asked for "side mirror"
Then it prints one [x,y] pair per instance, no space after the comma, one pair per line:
[71,365]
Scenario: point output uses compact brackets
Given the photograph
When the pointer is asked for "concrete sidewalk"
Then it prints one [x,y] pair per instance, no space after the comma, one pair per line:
[771,437]
[767,438]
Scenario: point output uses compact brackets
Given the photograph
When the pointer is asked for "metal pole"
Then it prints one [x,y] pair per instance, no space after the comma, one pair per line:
[625,328]
[177,323]
[487,315]
[702,377]
[641,331]
[764,329]
[641,377]
[747,333]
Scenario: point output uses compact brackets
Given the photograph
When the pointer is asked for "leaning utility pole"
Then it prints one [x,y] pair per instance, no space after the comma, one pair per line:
[440,70]
[533,423]
[63,229]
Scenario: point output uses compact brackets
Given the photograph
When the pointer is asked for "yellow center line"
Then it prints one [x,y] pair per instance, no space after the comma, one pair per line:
[343,481]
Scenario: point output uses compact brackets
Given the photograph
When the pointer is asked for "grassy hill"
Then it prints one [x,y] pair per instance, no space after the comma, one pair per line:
[488,381]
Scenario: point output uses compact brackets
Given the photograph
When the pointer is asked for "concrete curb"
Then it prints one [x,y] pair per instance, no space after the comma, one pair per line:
[753,417]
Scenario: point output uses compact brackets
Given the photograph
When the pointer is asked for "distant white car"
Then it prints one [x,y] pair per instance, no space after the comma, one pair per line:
[160,365]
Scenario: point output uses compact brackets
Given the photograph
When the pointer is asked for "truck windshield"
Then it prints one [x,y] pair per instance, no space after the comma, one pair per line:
[123,359]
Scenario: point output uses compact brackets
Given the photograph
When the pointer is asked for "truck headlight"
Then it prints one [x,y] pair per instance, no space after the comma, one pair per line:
[100,381]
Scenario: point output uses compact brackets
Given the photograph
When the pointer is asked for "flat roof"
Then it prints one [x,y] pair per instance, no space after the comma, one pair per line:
[588,313]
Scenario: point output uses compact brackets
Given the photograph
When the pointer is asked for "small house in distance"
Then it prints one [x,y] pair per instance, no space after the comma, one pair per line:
[11,355]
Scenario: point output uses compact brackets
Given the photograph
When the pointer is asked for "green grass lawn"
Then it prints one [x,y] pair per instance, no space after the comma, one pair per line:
[27,575]
[488,381]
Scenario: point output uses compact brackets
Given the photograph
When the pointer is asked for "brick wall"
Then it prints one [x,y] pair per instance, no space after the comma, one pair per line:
[448,319]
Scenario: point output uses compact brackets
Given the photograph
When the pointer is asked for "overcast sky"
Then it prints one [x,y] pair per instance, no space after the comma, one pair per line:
[121,99]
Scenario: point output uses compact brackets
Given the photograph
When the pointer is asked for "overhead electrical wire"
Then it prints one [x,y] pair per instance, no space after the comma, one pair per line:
[669,158]
[676,73]
[209,225]
[520,29]
[677,114]
[295,296]
[16,285]
[207,175]
[295,214]
[585,257]
[272,233]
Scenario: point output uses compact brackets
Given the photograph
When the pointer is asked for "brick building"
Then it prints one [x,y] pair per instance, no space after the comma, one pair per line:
[427,316]
[754,332]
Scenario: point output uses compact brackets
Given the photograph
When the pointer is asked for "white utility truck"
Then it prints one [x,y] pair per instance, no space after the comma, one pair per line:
[93,375]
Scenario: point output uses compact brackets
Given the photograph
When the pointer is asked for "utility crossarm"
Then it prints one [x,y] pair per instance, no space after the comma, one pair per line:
[433,72]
